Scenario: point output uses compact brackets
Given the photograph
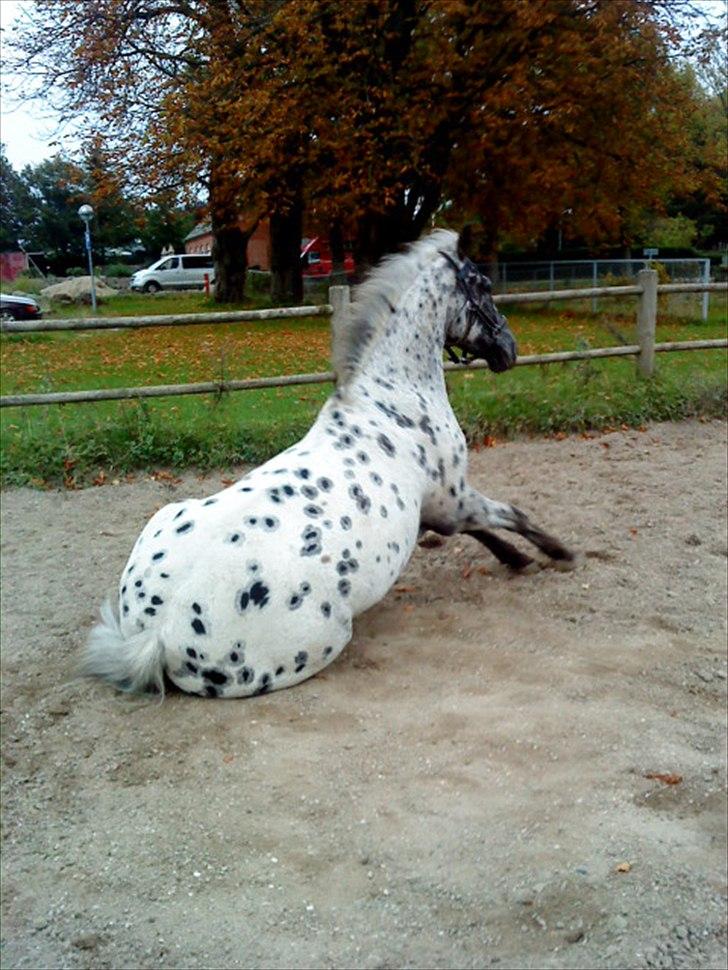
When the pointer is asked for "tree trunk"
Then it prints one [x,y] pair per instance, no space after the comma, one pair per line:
[286,229]
[230,239]
[230,255]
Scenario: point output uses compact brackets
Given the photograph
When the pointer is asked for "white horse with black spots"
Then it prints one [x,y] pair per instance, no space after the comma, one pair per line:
[255,588]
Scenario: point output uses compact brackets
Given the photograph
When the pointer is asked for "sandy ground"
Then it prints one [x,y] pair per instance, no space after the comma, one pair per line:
[467,786]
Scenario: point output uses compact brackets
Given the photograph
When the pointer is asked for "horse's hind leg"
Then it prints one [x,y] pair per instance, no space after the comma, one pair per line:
[480,513]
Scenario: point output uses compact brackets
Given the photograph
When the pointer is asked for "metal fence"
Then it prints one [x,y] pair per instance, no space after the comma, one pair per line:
[553,274]
[644,349]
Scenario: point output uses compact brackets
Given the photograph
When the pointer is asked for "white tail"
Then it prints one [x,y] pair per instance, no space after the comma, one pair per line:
[134,664]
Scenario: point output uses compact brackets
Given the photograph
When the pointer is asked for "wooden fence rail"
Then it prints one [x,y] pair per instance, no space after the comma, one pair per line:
[644,350]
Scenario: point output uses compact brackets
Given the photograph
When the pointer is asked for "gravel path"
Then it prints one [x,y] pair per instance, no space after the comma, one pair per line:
[467,786]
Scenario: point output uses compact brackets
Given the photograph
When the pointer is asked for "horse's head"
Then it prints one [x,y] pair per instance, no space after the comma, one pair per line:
[477,327]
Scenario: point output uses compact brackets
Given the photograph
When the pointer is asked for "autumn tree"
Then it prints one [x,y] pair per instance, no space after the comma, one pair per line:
[371,114]
[154,80]
[594,124]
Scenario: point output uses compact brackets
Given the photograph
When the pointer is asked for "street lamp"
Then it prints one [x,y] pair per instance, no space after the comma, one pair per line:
[86,213]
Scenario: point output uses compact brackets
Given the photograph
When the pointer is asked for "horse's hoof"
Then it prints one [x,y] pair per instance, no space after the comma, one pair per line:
[431,540]
[565,565]
[534,566]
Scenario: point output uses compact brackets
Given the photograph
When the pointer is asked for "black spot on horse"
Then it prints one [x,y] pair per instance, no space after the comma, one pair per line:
[280,670]
[198,626]
[209,501]
[196,608]
[245,675]
[259,594]
[181,512]
[328,651]
[157,600]
[386,445]
[313,510]
[289,490]
[344,587]
[185,527]
[263,685]
[427,428]
[345,522]
[191,653]
[326,609]
[300,660]
[215,676]
[191,667]
[302,473]
[309,491]
[150,611]
[325,484]
[158,555]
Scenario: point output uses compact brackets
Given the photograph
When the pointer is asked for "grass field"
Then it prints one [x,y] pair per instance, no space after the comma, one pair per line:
[76,443]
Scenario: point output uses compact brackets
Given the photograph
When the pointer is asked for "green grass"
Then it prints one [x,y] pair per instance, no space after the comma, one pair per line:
[74,442]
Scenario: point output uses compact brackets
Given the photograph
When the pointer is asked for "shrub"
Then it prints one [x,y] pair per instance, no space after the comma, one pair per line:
[118,269]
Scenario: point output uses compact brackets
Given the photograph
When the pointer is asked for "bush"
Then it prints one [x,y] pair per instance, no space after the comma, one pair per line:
[77,271]
[118,269]
[31,285]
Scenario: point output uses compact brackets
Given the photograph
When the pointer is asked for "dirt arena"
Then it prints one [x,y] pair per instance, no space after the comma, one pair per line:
[520,772]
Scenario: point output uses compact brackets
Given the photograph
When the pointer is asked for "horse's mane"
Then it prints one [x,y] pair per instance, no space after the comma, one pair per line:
[374,299]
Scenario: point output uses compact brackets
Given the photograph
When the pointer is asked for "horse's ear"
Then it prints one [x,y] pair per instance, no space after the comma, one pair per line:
[465,241]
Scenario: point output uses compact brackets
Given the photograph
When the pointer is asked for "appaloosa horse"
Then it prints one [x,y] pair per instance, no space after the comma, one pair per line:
[254,588]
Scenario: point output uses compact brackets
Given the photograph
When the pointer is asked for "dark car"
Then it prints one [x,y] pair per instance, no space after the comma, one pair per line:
[13,306]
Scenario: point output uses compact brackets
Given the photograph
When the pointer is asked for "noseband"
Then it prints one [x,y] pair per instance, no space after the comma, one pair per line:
[472,308]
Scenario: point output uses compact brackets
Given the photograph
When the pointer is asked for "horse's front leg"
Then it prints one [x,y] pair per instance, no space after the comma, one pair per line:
[477,515]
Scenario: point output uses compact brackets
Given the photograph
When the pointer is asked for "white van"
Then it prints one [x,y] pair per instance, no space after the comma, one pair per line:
[174,273]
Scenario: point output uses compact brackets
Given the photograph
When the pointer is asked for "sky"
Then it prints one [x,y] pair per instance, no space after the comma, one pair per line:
[30,132]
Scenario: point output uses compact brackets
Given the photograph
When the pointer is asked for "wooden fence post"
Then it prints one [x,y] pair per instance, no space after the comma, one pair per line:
[647,321]
[339,298]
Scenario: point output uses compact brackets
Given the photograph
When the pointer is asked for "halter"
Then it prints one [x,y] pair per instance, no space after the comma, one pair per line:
[471,306]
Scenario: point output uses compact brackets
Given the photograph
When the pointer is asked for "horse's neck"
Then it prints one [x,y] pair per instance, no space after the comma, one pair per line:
[407,352]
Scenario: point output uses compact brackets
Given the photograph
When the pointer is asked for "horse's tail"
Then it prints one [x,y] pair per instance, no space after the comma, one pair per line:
[134,664]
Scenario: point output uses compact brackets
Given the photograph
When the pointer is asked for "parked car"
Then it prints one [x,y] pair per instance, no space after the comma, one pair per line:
[174,273]
[13,306]
[316,258]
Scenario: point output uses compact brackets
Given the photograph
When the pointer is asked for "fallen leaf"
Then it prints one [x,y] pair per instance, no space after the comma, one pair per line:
[229,758]
[665,778]
[466,572]
[163,476]
[623,867]
[100,479]
[405,589]
[489,441]
[408,608]
[227,482]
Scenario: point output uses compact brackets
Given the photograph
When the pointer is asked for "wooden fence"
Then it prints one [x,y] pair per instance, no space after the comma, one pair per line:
[645,348]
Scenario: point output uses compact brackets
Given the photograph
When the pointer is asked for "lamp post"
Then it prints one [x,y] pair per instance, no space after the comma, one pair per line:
[86,213]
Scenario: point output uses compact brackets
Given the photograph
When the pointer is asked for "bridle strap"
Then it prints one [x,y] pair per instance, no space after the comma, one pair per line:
[472,309]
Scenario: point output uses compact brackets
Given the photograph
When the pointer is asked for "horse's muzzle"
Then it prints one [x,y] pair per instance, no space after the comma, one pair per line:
[503,353]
